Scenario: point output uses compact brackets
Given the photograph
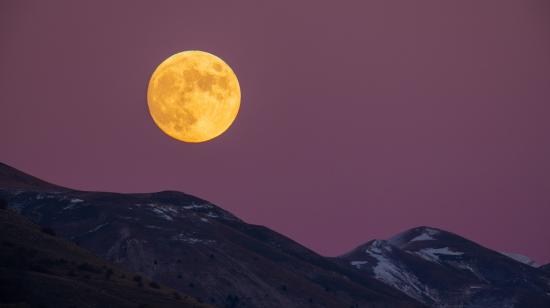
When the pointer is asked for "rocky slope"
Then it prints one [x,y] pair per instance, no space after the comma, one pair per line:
[442,269]
[38,269]
[196,247]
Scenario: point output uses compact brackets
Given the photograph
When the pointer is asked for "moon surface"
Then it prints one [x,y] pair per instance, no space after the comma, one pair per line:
[193,96]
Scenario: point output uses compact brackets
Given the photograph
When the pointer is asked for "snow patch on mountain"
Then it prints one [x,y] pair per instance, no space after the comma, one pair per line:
[418,234]
[97,228]
[394,274]
[71,206]
[358,264]
[377,246]
[182,237]
[212,215]
[198,206]
[162,214]
[423,237]
[469,267]
[434,254]
[521,258]
[163,211]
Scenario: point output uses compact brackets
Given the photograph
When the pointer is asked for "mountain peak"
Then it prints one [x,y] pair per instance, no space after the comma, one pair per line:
[521,258]
[422,233]
[435,267]
[13,178]
[195,247]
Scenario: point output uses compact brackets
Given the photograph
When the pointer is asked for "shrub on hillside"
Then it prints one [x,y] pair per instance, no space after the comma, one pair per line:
[3,204]
[87,267]
[108,273]
[231,301]
[137,278]
[48,230]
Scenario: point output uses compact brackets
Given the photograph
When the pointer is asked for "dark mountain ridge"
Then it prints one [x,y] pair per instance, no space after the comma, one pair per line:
[11,178]
[198,248]
[38,269]
[442,269]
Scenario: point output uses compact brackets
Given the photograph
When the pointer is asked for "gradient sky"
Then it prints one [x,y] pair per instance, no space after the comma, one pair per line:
[359,119]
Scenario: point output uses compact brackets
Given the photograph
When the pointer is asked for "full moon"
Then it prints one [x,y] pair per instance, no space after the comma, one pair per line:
[193,96]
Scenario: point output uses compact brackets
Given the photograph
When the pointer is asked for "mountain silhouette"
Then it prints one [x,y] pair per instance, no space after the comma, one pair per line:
[197,248]
[39,269]
[442,269]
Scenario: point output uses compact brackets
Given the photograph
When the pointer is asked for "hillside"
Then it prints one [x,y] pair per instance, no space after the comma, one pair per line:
[198,248]
[38,269]
[442,269]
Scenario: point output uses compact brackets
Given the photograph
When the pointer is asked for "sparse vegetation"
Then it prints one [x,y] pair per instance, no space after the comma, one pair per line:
[8,244]
[48,230]
[231,301]
[86,267]
[3,204]
[108,273]
[138,280]
[37,267]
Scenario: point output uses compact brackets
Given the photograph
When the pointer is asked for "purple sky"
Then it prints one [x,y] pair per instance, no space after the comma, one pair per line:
[359,119]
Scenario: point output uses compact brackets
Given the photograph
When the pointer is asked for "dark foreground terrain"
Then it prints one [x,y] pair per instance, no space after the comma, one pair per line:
[38,269]
[197,248]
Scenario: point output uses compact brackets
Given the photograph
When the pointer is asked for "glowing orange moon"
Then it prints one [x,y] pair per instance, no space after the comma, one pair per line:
[193,96]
